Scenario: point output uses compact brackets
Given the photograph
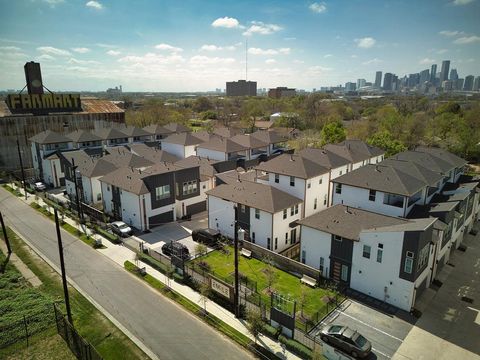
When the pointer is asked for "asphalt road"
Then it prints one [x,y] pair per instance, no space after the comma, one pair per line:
[162,326]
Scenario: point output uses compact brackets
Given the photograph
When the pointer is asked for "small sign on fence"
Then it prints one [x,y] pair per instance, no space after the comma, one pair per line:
[220,288]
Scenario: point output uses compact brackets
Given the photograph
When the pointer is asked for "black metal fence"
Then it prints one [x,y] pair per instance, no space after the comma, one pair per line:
[77,344]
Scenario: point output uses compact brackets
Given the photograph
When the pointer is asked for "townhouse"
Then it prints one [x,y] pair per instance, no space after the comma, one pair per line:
[254,146]
[382,256]
[84,139]
[145,198]
[112,137]
[136,135]
[357,152]
[157,132]
[182,145]
[267,214]
[222,149]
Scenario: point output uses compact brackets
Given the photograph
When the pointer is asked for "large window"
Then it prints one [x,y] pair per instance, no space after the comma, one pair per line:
[338,188]
[189,187]
[257,213]
[408,267]
[422,257]
[366,251]
[344,275]
[162,192]
[393,200]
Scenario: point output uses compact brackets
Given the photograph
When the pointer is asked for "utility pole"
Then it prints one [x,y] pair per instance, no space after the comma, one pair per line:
[62,267]
[77,198]
[235,237]
[5,235]
[21,167]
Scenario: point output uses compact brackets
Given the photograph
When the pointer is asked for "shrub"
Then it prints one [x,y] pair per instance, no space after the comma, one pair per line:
[205,266]
[296,347]
[271,331]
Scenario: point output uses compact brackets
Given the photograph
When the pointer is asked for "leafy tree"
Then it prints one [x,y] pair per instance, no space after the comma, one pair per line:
[202,104]
[333,132]
[302,300]
[387,142]
[200,249]
[209,115]
[169,273]
[271,275]
[450,107]
[254,323]
[204,290]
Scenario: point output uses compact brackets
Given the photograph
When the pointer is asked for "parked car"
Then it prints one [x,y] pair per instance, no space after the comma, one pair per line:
[206,236]
[177,249]
[39,186]
[346,339]
[121,229]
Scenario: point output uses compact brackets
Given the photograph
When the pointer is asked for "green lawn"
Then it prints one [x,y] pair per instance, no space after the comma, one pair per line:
[285,283]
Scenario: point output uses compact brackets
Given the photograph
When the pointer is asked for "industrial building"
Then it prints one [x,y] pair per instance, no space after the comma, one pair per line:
[242,88]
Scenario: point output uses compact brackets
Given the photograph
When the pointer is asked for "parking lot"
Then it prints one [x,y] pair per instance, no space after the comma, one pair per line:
[385,331]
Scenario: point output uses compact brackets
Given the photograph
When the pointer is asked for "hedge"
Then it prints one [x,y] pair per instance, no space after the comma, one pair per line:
[296,347]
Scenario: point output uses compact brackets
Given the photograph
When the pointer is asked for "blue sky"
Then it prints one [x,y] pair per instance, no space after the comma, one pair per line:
[189,45]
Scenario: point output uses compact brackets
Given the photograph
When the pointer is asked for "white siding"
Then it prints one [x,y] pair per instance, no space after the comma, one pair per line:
[211,154]
[284,184]
[221,215]
[281,227]
[316,244]
[131,209]
[261,227]
[317,191]
[107,198]
[174,149]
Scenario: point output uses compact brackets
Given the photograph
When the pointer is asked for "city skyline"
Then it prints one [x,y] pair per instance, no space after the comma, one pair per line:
[94,45]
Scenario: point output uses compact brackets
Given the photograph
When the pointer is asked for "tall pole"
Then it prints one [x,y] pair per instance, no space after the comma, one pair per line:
[77,198]
[21,167]
[235,237]
[5,235]
[62,267]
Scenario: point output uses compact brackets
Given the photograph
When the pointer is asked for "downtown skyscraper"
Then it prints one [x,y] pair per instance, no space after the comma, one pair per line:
[445,70]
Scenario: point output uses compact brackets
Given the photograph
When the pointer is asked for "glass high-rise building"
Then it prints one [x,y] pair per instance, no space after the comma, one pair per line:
[378,79]
[468,84]
[445,70]
[433,73]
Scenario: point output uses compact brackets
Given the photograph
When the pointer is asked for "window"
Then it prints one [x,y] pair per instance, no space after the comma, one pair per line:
[322,264]
[303,256]
[366,251]
[325,199]
[292,180]
[242,208]
[408,267]
[257,213]
[286,238]
[344,275]
[337,238]
[276,243]
[204,186]
[99,197]
[284,213]
[292,211]
[268,243]
[309,185]
[296,209]
[338,188]
[277,178]
[422,257]
[341,172]
[379,254]
[253,237]
[108,188]
[189,187]
[320,181]
[162,192]
[315,204]
[371,195]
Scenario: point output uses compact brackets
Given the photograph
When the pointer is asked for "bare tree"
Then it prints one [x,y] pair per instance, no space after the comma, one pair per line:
[302,301]
[204,290]
[254,323]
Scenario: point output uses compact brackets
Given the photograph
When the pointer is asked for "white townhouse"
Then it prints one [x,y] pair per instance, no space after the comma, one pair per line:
[357,152]
[181,145]
[298,176]
[84,139]
[276,142]
[268,215]
[222,149]
[135,134]
[254,146]
[157,132]
[388,258]
[112,137]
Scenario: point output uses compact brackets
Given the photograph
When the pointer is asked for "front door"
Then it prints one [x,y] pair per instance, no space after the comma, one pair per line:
[293,236]
[337,268]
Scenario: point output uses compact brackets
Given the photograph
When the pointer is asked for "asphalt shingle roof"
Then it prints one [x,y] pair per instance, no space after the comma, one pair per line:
[293,165]
[49,137]
[354,150]
[249,141]
[255,195]
[153,154]
[269,137]
[206,165]
[185,139]
[225,145]
[110,133]
[177,128]
[431,178]
[157,129]
[79,136]
[135,131]
[324,157]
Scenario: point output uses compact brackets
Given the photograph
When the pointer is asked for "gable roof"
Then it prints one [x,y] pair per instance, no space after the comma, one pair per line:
[225,145]
[324,157]
[135,131]
[227,132]
[348,222]
[95,167]
[185,139]
[354,150]
[445,155]
[431,178]
[153,154]
[255,195]
[177,128]
[110,133]
[157,129]
[293,165]
[49,137]
[206,165]
[249,141]
[426,160]
[121,157]
[382,178]
[79,136]
[269,137]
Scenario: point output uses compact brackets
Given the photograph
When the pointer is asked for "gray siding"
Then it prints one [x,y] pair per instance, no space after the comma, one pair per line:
[244,220]
[196,208]
[186,175]
[414,241]
[152,182]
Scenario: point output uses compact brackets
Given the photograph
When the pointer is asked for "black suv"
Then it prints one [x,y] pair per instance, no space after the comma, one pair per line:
[206,236]
[177,249]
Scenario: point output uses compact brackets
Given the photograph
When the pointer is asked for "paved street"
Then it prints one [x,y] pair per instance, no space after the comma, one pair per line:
[162,326]
[386,332]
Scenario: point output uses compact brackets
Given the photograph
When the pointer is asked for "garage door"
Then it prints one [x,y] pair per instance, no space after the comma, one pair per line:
[160,219]
[196,208]
[420,289]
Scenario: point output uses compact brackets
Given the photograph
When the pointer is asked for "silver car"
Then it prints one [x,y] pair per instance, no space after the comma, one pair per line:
[121,229]
[346,339]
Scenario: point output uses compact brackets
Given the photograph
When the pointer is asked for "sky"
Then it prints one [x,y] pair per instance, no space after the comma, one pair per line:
[186,45]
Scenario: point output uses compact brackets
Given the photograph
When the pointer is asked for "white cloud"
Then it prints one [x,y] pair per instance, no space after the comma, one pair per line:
[82,62]
[318,7]
[450,33]
[217,48]
[152,59]
[318,70]
[226,22]
[168,47]
[353,56]
[261,28]
[372,61]
[52,3]
[46,57]
[366,42]
[327,55]
[81,50]
[113,52]
[461,2]
[259,51]
[9,48]
[426,61]
[53,51]
[108,46]
[296,61]
[94,4]
[270,61]
[442,51]
[467,39]
[206,60]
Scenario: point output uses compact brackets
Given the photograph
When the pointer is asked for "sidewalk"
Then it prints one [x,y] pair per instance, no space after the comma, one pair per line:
[120,254]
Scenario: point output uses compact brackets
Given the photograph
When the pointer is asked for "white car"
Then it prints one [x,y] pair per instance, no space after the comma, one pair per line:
[120,228]
[39,186]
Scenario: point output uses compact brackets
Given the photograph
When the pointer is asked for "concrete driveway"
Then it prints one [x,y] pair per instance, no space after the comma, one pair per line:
[449,327]
[386,332]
